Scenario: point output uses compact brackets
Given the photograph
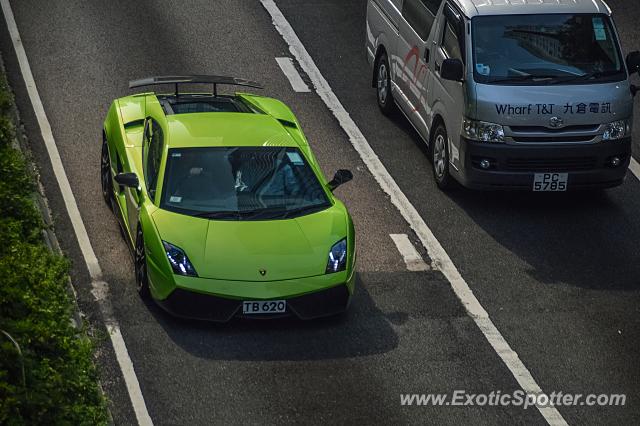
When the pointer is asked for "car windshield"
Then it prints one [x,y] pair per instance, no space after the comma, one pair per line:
[544,49]
[241,183]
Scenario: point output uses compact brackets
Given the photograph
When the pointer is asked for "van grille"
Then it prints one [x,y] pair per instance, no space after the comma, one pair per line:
[557,139]
[540,129]
[566,164]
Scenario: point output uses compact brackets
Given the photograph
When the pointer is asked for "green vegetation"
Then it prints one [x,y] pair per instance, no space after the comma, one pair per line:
[53,380]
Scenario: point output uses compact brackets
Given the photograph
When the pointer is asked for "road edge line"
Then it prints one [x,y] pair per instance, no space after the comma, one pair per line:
[438,255]
[91,261]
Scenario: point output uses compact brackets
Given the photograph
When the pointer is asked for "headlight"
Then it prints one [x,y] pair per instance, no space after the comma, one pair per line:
[616,130]
[337,257]
[482,131]
[179,261]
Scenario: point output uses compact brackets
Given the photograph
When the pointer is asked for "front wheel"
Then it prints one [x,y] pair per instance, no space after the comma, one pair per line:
[383,85]
[106,182]
[142,280]
[440,158]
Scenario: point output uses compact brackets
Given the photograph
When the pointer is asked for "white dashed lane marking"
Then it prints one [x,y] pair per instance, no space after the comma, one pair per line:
[289,70]
[411,257]
[436,252]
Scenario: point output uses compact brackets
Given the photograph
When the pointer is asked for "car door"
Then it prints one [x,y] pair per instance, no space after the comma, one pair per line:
[448,97]
[413,57]
[152,146]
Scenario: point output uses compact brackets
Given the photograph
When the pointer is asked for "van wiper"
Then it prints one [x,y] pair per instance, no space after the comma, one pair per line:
[526,77]
[588,76]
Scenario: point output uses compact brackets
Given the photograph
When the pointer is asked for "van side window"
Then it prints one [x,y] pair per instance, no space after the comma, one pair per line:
[451,42]
[420,15]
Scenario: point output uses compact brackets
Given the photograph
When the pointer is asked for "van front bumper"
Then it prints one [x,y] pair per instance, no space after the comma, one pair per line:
[513,166]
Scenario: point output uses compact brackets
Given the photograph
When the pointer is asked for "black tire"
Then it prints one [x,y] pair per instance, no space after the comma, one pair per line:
[142,280]
[382,78]
[106,182]
[440,158]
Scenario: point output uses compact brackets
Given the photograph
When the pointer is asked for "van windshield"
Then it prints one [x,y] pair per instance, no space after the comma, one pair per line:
[545,49]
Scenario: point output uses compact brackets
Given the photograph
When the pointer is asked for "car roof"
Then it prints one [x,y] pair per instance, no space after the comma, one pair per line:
[473,8]
[225,129]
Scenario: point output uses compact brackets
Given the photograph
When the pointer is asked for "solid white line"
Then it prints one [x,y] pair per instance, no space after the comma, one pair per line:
[411,257]
[437,253]
[287,67]
[122,355]
[635,168]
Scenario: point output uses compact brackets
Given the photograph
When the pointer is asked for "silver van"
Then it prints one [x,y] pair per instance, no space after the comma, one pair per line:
[508,94]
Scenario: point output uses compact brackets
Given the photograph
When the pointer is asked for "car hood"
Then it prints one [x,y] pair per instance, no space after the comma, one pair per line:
[255,250]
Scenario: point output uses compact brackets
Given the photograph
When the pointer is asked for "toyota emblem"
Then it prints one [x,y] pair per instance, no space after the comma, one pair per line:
[556,122]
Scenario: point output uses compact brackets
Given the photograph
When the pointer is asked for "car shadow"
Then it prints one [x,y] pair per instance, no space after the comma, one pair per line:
[362,330]
[586,239]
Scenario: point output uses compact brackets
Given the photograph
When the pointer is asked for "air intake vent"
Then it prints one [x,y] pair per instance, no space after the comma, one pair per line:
[287,123]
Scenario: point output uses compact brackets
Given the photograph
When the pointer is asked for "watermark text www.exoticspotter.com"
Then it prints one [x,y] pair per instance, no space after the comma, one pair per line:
[518,398]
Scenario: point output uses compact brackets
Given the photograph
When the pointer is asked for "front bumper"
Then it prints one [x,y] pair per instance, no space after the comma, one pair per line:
[188,304]
[220,301]
[513,166]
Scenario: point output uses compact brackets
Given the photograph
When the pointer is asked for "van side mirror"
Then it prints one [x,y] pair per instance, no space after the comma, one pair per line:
[452,69]
[341,176]
[633,62]
[127,179]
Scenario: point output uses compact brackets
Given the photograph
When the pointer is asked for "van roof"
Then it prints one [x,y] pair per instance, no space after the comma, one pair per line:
[473,8]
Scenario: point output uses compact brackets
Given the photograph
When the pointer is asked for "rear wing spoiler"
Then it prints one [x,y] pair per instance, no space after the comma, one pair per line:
[188,79]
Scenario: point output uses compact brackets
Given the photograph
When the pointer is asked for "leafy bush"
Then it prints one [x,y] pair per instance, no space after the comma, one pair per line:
[59,385]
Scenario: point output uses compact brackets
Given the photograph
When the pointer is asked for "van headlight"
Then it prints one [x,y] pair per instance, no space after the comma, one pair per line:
[482,131]
[616,130]
[179,261]
[337,257]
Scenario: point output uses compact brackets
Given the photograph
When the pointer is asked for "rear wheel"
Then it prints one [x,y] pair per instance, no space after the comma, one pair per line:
[142,280]
[106,181]
[440,158]
[383,85]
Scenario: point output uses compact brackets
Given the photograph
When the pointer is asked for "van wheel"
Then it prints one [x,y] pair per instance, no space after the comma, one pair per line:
[142,279]
[383,85]
[440,158]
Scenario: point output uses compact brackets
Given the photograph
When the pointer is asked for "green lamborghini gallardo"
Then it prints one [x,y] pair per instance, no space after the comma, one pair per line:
[224,205]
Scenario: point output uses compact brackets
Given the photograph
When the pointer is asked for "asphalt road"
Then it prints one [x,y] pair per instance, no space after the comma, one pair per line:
[557,274]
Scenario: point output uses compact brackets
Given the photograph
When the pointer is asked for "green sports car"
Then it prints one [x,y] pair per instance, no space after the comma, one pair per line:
[224,205]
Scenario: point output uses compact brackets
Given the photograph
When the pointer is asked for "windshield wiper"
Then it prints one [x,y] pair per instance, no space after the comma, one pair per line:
[264,213]
[280,212]
[219,215]
[526,77]
[588,76]
[305,210]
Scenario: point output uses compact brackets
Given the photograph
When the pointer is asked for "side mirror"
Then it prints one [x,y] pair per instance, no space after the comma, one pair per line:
[452,69]
[633,62]
[341,176]
[127,179]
